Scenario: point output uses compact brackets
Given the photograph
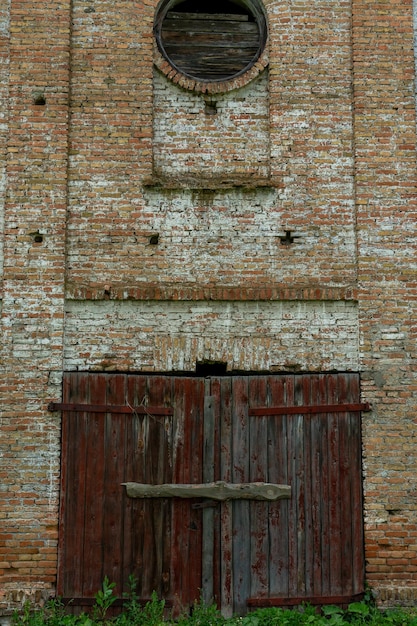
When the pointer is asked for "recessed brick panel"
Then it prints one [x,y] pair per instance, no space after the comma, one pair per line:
[257,336]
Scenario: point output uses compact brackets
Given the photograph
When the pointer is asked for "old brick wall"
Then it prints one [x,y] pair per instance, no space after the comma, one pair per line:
[161,232]
[32,294]
[174,336]
[4,93]
[386,225]
[301,171]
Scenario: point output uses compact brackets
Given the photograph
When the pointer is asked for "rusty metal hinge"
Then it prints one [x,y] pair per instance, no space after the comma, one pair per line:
[308,410]
[108,408]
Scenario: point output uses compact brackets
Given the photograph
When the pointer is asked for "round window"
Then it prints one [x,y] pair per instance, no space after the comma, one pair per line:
[211,40]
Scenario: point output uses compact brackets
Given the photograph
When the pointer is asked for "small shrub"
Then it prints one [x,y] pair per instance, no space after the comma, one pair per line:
[104,598]
[202,615]
[134,614]
[55,613]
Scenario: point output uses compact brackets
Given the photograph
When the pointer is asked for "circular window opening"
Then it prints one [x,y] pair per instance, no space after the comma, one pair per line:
[211,40]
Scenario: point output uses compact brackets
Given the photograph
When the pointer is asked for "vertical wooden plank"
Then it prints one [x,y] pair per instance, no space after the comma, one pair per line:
[167,477]
[334,488]
[258,472]
[351,488]
[208,513]
[278,473]
[346,543]
[241,509]
[136,465]
[64,495]
[94,474]
[326,504]
[114,460]
[296,519]
[319,492]
[130,475]
[179,539]
[226,508]
[358,567]
[213,389]
[187,526]
[292,508]
[194,452]
[307,545]
[156,512]
[74,454]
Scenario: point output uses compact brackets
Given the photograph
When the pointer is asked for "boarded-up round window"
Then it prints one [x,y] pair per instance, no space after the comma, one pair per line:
[211,40]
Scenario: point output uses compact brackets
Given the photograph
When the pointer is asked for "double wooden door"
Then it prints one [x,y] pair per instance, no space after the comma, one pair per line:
[296,430]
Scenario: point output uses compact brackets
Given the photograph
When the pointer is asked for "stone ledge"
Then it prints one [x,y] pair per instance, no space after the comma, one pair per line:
[215,184]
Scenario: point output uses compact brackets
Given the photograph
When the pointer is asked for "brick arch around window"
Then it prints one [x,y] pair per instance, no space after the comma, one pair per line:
[210,46]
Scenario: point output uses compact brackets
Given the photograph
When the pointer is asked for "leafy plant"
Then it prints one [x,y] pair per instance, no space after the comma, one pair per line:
[152,614]
[202,615]
[104,598]
[55,613]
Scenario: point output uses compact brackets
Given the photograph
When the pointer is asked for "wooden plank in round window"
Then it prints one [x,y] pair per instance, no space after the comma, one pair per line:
[211,41]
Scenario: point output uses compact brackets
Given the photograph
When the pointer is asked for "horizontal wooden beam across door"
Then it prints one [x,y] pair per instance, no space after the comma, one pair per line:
[307,410]
[146,410]
[109,408]
[218,490]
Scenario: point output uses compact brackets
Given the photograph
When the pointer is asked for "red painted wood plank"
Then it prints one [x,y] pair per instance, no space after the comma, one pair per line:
[130,450]
[308,543]
[278,473]
[297,520]
[137,468]
[355,479]
[194,429]
[335,493]
[156,512]
[225,529]
[113,500]
[258,472]
[241,510]
[320,492]
[186,533]
[74,452]
[94,476]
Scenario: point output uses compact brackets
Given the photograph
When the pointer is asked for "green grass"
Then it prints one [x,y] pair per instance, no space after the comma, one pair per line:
[153,613]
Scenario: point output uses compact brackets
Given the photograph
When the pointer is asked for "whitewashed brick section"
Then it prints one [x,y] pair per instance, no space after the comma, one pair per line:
[4,93]
[415,43]
[173,336]
[188,142]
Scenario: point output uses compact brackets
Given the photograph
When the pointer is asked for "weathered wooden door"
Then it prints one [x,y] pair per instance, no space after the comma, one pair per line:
[299,430]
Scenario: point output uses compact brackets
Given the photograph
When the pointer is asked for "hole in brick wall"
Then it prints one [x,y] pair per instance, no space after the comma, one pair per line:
[211,368]
[154,239]
[289,238]
[37,237]
[211,40]
[210,108]
[39,99]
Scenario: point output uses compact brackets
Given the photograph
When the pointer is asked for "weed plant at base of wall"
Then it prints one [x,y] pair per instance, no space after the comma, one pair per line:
[363,613]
